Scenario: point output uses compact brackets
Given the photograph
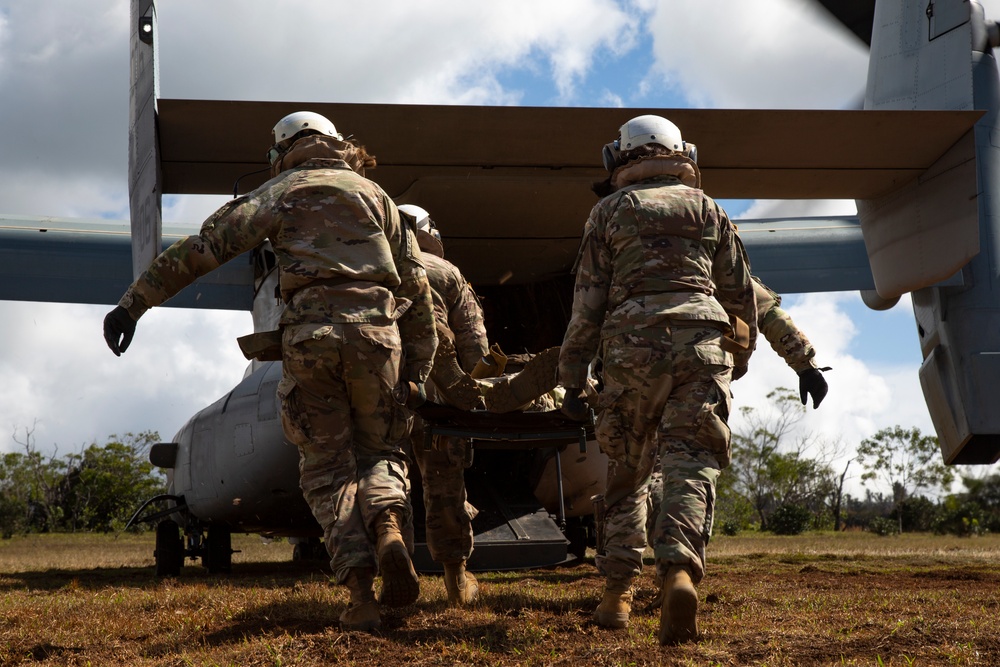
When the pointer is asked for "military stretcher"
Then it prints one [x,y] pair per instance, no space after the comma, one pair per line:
[512,431]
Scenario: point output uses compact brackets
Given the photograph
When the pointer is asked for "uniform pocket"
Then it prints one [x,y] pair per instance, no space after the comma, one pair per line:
[714,431]
[291,416]
[712,354]
[609,429]
[400,425]
[379,336]
[295,334]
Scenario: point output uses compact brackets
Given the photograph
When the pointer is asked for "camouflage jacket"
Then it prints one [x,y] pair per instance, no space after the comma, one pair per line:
[343,254]
[653,253]
[780,331]
[457,308]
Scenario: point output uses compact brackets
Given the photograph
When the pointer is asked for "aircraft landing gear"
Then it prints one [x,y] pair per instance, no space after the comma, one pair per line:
[580,533]
[309,548]
[169,553]
[217,550]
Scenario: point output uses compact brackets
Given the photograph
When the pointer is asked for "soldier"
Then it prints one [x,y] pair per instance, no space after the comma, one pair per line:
[663,293]
[777,327]
[349,271]
[462,333]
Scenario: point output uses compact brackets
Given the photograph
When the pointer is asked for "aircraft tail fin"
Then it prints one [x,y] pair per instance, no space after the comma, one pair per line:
[938,54]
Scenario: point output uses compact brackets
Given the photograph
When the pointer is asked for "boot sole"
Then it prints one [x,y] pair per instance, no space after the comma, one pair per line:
[365,626]
[400,586]
[615,620]
[679,617]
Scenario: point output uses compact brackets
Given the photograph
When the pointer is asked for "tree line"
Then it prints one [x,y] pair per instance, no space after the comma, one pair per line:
[780,480]
[95,489]
[783,481]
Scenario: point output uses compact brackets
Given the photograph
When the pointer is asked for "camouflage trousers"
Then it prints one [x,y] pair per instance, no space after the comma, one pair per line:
[448,513]
[666,396]
[337,408]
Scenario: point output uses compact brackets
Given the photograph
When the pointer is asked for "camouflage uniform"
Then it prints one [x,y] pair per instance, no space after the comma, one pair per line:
[780,331]
[777,327]
[442,467]
[353,282]
[659,274]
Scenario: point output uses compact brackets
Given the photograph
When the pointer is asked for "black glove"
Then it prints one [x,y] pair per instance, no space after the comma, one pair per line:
[812,383]
[410,394]
[118,326]
[574,405]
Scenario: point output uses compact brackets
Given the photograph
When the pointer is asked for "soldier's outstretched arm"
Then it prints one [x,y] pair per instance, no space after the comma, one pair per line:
[790,343]
[225,235]
[777,327]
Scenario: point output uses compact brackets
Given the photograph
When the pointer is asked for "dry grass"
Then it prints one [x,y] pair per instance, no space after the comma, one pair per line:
[846,599]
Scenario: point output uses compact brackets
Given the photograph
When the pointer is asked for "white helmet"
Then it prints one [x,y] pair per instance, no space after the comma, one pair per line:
[423,217]
[650,129]
[299,121]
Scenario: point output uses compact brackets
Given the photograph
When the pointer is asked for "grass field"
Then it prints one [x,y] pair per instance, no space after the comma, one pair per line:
[830,599]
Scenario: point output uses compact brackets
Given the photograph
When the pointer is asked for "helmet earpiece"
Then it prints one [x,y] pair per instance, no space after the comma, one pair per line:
[611,156]
[690,151]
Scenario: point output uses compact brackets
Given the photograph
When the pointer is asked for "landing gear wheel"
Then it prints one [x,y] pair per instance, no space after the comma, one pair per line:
[218,550]
[578,534]
[169,553]
[311,549]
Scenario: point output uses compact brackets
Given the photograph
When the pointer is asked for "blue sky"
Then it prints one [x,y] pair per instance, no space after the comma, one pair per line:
[64,81]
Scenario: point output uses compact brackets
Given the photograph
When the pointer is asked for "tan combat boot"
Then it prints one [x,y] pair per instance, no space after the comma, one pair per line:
[615,605]
[679,613]
[400,585]
[462,587]
[362,612]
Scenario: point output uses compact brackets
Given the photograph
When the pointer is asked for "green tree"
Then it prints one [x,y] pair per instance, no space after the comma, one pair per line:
[104,484]
[770,467]
[29,488]
[790,519]
[985,493]
[907,461]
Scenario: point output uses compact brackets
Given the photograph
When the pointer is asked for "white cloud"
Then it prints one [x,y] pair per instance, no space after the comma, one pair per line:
[66,383]
[437,51]
[776,208]
[762,54]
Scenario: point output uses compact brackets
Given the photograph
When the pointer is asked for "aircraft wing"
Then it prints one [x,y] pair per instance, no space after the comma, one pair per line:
[808,254]
[509,187]
[90,261]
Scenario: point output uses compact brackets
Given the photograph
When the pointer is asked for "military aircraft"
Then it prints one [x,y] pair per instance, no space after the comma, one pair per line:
[918,159]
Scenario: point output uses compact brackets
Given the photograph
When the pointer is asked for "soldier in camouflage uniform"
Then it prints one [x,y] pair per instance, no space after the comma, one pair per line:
[462,333]
[357,304]
[777,327]
[662,279]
